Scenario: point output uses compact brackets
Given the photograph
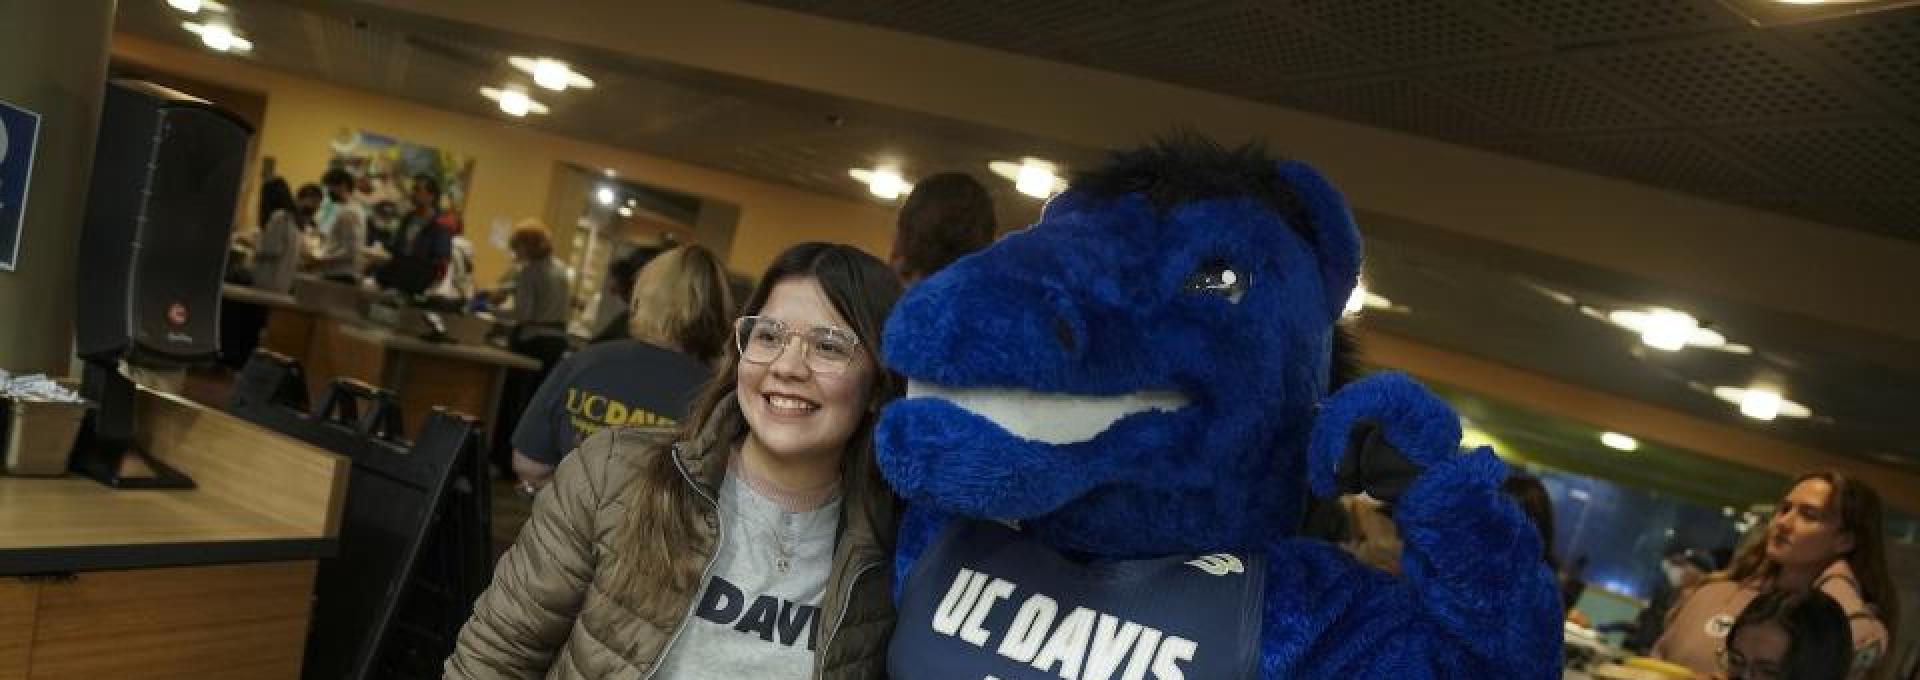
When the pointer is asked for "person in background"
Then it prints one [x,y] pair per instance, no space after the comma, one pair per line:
[758,545]
[680,322]
[424,233]
[1787,636]
[1573,582]
[1683,569]
[616,299]
[342,226]
[947,216]
[383,219]
[537,287]
[276,255]
[451,293]
[308,200]
[1825,536]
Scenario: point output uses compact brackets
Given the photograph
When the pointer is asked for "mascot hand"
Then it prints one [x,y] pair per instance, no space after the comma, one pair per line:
[1377,434]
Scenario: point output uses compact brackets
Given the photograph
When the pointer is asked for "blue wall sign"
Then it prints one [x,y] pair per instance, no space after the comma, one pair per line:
[19,129]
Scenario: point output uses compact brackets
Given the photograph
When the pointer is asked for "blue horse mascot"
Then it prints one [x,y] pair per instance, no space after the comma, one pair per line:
[1113,422]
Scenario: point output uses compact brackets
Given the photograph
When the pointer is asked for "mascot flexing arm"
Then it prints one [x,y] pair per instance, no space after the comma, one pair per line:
[1114,418]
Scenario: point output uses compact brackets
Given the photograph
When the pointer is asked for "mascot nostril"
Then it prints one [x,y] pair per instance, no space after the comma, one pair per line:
[1133,502]
[1063,332]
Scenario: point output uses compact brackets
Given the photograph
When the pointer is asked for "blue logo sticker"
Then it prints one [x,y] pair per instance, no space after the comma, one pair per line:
[19,130]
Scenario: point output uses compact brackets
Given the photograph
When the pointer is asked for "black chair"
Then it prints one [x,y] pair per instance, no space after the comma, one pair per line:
[413,537]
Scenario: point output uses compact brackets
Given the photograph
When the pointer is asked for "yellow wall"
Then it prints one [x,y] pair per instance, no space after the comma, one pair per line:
[514,161]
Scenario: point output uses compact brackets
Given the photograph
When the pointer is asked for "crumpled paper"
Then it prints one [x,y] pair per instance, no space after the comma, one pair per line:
[36,387]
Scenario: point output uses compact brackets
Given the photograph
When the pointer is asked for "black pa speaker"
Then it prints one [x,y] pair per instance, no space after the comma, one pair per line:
[153,252]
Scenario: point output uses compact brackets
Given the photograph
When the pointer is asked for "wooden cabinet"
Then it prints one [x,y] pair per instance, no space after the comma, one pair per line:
[17,611]
[244,621]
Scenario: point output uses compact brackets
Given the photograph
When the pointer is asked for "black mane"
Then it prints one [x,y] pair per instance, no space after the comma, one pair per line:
[1185,167]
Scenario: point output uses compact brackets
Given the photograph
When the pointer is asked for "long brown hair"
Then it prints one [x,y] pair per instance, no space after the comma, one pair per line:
[657,565]
[1861,516]
[681,299]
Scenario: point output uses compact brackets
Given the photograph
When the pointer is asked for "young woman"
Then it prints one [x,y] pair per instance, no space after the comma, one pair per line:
[756,546]
[277,254]
[1825,536]
[678,327]
[1788,636]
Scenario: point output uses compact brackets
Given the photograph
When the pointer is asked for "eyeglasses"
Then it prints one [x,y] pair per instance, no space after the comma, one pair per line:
[762,340]
[1736,667]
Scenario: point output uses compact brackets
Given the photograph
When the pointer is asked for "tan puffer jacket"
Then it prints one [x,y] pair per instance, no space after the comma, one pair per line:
[548,614]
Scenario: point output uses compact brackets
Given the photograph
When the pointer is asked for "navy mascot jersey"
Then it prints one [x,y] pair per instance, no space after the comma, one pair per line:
[1010,608]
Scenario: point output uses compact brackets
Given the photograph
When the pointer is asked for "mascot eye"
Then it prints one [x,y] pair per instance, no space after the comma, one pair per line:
[1220,278]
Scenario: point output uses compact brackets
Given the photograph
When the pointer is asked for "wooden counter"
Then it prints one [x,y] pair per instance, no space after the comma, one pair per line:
[212,582]
[464,378]
[331,340]
[261,496]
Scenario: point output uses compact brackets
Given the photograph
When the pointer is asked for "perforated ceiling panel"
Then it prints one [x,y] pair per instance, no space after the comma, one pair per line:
[1584,22]
[1406,105]
[1410,31]
[1542,96]
[1846,160]
[1257,43]
[1735,80]
[1883,50]
[1557,81]
[1675,160]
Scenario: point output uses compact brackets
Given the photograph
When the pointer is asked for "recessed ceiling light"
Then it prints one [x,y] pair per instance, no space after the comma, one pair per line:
[552,74]
[1619,442]
[194,6]
[605,195]
[218,37]
[1031,176]
[883,183]
[1762,403]
[513,101]
[626,211]
[1669,329]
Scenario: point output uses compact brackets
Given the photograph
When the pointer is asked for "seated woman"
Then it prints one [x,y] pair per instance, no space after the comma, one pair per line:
[679,323]
[1788,636]
[1825,536]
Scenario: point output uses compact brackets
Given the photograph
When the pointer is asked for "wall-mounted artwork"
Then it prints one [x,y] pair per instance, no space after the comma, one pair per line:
[386,167]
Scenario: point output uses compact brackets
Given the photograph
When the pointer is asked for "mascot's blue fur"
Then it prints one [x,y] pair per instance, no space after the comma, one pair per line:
[1218,275]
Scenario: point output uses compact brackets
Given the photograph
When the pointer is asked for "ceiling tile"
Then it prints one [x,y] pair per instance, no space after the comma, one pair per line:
[1546,96]
[1844,158]
[1672,160]
[1583,22]
[1412,31]
[1403,104]
[1733,79]
[1882,50]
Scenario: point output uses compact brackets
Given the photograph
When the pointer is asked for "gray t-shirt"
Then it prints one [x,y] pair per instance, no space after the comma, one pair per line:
[540,303]
[757,612]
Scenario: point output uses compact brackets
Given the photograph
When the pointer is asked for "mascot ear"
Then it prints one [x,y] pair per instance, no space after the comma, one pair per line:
[1336,239]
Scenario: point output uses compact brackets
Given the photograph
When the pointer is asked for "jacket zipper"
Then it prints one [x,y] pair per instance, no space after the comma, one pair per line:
[720,529]
[846,601]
